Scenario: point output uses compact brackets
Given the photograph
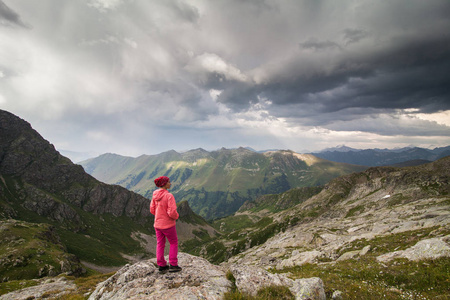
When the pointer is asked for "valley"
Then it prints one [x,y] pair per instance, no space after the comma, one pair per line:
[217,183]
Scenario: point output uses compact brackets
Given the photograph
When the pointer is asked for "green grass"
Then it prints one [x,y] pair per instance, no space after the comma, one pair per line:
[13,285]
[231,223]
[267,293]
[355,211]
[29,250]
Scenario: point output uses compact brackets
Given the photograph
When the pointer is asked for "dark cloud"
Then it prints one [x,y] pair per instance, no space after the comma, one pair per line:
[352,35]
[411,72]
[316,45]
[136,70]
[392,126]
[10,17]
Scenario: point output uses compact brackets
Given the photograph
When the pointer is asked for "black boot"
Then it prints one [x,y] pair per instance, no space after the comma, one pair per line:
[175,269]
[163,269]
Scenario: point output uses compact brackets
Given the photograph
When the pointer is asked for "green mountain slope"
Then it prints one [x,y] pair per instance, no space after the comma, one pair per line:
[217,183]
[38,252]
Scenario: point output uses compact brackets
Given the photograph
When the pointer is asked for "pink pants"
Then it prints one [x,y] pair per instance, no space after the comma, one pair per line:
[171,235]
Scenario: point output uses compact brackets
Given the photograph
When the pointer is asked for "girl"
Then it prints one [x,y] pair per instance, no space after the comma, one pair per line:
[164,208]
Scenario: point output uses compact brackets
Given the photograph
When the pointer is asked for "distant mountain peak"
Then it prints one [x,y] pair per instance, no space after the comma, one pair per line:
[339,148]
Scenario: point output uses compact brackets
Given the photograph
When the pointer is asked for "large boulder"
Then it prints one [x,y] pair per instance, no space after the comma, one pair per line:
[198,280]
[250,279]
[425,249]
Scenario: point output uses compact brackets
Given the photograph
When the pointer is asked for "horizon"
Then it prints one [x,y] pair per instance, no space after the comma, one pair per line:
[133,77]
[73,154]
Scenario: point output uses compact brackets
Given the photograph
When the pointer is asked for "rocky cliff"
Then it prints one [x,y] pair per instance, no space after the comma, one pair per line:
[45,182]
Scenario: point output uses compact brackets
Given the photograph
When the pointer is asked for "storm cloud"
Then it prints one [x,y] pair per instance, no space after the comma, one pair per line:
[137,77]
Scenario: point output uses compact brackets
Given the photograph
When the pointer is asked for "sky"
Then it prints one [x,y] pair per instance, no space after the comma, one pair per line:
[137,77]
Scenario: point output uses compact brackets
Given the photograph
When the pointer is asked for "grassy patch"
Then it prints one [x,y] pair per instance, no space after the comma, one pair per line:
[355,211]
[272,292]
[392,242]
[13,285]
[29,250]
[232,223]
[396,200]
[86,284]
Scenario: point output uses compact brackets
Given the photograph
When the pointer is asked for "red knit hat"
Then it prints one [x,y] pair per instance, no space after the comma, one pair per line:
[161,181]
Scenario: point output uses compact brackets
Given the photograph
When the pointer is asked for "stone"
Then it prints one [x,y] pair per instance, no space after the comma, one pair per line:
[365,250]
[337,295]
[300,259]
[348,255]
[425,249]
[250,279]
[308,288]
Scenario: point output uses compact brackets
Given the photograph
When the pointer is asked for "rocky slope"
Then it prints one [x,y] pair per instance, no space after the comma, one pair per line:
[362,206]
[217,183]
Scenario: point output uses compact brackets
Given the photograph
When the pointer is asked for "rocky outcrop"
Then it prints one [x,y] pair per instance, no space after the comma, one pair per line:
[198,280]
[48,288]
[426,249]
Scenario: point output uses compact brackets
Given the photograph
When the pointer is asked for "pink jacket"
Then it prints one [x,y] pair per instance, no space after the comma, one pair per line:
[164,208]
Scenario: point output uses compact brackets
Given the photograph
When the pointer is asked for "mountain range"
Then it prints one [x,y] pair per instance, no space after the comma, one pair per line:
[383,157]
[217,183]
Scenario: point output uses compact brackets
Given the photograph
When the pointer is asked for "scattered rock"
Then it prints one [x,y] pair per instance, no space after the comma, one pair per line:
[308,289]
[300,258]
[348,255]
[425,249]
[365,250]
[337,295]
[250,279]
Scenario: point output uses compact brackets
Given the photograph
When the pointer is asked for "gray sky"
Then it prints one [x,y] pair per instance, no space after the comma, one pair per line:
[142,77]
